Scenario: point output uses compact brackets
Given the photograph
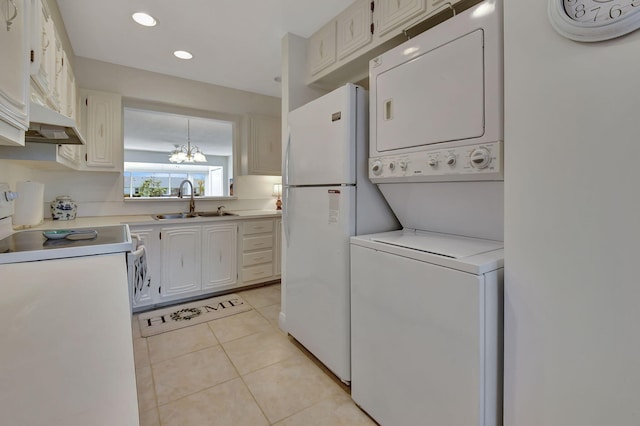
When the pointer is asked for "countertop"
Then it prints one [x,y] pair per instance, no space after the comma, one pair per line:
[147,219]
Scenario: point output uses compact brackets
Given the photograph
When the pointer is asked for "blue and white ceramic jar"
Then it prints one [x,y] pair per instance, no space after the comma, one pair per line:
[63,208]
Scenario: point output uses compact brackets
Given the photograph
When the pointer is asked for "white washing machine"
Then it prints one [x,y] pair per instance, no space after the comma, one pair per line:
[426,321]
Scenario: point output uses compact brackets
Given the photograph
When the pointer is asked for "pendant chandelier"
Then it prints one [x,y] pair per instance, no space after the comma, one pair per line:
[187,153]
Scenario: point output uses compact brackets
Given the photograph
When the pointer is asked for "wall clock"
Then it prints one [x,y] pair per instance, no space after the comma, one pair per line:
[594,20]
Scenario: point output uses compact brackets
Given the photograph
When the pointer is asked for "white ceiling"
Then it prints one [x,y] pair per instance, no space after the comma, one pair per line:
[235,43]
[159,131]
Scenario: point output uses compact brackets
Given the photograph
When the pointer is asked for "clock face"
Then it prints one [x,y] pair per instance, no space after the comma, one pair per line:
[599,11]
[594,20]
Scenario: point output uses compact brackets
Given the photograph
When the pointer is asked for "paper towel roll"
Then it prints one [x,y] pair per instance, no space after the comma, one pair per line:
[29,204]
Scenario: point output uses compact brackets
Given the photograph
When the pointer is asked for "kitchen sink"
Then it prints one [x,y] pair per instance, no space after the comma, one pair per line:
[174,216]
[215,213]
[166,216]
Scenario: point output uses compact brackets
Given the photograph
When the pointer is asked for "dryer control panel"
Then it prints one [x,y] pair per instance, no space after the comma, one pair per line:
[463,163]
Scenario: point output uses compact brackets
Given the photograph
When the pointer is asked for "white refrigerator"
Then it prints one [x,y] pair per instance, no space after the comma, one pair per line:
[327,198]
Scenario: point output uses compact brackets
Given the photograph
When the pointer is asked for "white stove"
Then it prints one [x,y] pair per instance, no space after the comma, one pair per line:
[32,245]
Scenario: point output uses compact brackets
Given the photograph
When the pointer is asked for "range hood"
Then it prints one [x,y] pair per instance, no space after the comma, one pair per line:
[48,126]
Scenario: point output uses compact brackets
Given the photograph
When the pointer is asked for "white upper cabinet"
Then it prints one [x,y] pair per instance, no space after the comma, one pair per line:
[43,53]
[439,4]
[102,129]
[322,48]
[354,28]
[14,72]
[53,81]
[70,91]
[393,13]
[264,145]
[365,29]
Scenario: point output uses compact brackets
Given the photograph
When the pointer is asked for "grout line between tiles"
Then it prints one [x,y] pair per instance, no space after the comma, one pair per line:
[246,385]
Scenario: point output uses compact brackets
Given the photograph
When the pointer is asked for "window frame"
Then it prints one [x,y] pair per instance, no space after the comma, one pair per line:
[234,119]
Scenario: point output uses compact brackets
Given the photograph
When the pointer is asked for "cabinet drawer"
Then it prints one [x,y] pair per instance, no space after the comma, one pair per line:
[257,272]
[258,257]
[254,243]
[258,227]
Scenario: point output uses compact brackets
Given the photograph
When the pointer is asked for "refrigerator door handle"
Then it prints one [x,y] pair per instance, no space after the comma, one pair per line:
[285,187]
[285,166]
[285,213]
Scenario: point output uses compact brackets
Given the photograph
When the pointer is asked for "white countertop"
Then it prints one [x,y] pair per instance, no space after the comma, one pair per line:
[147,219]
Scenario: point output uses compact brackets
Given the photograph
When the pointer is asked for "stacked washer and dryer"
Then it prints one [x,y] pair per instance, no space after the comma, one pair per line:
[426,301]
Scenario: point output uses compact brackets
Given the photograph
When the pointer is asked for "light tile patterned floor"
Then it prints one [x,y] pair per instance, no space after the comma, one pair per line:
[240,370]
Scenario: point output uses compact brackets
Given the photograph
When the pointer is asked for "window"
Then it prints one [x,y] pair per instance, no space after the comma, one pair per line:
[152,133]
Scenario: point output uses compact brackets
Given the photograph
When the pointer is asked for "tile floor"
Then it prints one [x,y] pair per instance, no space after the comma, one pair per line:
[238,370]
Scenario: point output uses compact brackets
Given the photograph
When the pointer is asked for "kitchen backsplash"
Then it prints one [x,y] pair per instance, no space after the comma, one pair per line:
[100,194]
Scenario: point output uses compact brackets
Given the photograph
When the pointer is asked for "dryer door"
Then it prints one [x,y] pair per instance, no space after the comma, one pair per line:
[435,97]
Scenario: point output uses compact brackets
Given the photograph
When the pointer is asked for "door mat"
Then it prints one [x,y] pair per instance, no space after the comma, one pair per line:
[175,317]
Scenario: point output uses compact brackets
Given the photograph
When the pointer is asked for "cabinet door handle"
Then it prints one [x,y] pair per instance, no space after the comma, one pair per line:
[321,48]
[351,28]
[101,130]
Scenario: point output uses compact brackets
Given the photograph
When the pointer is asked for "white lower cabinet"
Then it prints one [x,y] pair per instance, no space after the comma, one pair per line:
[219,256]
[258,245]
[191,260]
[180,252]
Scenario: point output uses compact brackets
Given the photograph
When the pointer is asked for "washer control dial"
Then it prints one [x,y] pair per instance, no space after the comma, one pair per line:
[376,168]
[403,165]
[451,160]
[480,158]
[433,162]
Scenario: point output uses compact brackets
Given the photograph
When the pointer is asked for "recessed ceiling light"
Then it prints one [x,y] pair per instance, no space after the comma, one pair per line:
[182,54]
[144,19]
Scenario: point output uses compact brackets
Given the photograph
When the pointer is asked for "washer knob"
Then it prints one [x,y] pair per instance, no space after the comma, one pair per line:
[376,168]
[433,162]
[451,160]
[480,158]
[403,165]
[392,166]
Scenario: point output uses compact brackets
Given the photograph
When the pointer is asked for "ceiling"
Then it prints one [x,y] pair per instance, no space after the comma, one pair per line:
[235,43]
[160,132]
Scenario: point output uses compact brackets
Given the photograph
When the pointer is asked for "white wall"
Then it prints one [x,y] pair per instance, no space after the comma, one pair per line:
[11,173]
[100,193]
[572,233]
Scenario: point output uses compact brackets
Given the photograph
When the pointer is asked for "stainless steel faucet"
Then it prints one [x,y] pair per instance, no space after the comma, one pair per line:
[192,202]
[220,212]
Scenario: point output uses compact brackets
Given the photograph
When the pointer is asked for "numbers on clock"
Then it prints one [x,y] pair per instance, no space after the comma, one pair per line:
[598,10]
